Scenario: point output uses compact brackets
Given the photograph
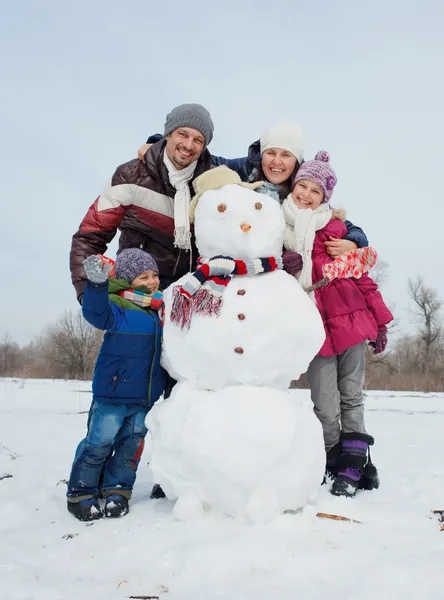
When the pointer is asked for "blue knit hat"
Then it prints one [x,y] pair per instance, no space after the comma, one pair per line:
[132,262]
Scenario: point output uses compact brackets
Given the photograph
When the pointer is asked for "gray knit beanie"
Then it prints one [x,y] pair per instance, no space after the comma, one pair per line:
[190,115]
[132,262]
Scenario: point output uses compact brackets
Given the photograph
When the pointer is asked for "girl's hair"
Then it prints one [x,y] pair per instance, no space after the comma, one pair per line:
[284,188]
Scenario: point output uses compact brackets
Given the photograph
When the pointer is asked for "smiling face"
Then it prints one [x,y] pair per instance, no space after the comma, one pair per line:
[307,194]
[278,164]
[238,222]
[184,146]
[148,279]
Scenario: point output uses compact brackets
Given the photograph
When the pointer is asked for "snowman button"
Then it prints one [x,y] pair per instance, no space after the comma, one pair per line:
[241,316]
[239,350]
[241,292]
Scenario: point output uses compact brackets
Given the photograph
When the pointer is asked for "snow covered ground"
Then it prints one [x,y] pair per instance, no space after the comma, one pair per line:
[397,551]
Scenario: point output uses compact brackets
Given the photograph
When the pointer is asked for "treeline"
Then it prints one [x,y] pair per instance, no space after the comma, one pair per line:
[413,361]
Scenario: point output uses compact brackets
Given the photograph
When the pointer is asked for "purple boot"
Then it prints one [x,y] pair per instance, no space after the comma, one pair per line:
[351,464]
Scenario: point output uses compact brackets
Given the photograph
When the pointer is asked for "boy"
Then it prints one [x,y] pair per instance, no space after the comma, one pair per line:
[128,379]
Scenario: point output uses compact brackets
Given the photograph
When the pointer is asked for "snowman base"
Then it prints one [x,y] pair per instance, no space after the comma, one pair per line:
[244,451]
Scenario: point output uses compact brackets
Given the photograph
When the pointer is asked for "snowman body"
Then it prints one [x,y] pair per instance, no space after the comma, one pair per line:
[252,341]
[232,436]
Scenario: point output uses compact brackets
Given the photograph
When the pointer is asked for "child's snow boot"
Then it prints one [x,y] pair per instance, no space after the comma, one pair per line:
[116,506]
[157,492]
[351,463]
[331,464]
[370,477]
[86,510]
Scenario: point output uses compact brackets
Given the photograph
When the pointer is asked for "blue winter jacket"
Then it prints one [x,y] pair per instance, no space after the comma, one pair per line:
[128,367]
[247,168]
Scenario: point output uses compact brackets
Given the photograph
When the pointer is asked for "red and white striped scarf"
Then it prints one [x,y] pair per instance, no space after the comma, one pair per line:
[201,292]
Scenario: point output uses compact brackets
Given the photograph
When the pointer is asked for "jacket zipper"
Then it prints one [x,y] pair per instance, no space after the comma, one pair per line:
[152,364]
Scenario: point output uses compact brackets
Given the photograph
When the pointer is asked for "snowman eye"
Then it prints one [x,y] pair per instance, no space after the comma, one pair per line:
[222,207]
[258,205]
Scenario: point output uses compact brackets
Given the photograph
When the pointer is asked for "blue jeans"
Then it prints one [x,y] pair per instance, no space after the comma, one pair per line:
[118,427]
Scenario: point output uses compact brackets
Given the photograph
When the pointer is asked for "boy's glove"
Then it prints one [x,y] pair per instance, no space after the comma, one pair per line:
[95,271]
[380,344]
[292,262]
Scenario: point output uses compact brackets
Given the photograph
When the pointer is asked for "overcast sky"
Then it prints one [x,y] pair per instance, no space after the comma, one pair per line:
[83,84]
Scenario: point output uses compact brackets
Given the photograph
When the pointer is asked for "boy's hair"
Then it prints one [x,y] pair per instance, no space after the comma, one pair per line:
[130,263]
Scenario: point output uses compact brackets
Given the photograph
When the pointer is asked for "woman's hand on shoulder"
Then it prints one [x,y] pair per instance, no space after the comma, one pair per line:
[337,246]
[142,151]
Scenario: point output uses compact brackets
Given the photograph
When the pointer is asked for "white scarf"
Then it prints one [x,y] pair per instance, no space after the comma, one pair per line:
[300,230]
[179,179]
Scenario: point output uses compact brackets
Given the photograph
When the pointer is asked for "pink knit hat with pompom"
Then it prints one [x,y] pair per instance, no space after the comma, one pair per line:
[319,171]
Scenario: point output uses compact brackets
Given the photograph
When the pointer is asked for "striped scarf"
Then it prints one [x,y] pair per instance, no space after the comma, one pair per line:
[142,299]
[201,292]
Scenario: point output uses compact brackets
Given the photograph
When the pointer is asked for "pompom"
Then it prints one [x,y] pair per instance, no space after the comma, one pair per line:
[323,156]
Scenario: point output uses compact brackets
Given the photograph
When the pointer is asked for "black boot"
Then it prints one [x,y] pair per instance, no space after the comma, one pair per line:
[370,477]
[351,463]
[116,506]
[331,465]
[157,492]
[86,510]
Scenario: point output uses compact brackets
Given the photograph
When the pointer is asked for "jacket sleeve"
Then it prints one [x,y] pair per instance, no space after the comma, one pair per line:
[356,234]
[96,307]
[99,226]
[235,164]
[374,300]
[156,137]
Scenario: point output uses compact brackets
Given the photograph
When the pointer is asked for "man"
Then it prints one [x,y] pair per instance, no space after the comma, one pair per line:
[149,201]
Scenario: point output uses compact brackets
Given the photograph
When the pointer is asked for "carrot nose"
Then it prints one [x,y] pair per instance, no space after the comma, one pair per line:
[245,227]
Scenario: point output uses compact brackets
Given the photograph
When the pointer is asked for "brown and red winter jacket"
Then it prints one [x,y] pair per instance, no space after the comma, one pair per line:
[139,200]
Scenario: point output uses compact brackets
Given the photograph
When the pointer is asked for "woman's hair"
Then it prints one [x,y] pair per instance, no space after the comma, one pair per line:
[284,188]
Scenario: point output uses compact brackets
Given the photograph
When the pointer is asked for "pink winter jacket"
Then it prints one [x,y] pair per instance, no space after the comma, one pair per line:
[352,309]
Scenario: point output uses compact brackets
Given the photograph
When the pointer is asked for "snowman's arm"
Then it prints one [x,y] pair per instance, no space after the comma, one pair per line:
[355,234]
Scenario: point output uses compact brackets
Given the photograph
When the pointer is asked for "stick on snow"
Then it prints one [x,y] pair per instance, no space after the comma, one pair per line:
[336,517]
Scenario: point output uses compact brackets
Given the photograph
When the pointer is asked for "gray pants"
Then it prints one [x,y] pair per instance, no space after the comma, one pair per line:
[336,391]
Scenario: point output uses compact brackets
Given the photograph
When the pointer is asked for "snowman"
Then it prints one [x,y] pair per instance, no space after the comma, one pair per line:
[232,436]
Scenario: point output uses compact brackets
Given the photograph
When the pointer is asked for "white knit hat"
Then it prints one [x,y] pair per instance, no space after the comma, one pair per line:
[286,136]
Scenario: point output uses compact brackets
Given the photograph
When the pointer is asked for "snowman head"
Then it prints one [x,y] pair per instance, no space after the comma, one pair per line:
[234,220]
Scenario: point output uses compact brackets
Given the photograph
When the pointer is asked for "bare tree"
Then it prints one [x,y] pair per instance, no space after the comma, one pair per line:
[426,308]
[380,272]
[72,346]
[10,356]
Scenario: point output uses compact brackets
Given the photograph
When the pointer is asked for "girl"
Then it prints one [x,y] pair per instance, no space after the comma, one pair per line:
[353,312]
